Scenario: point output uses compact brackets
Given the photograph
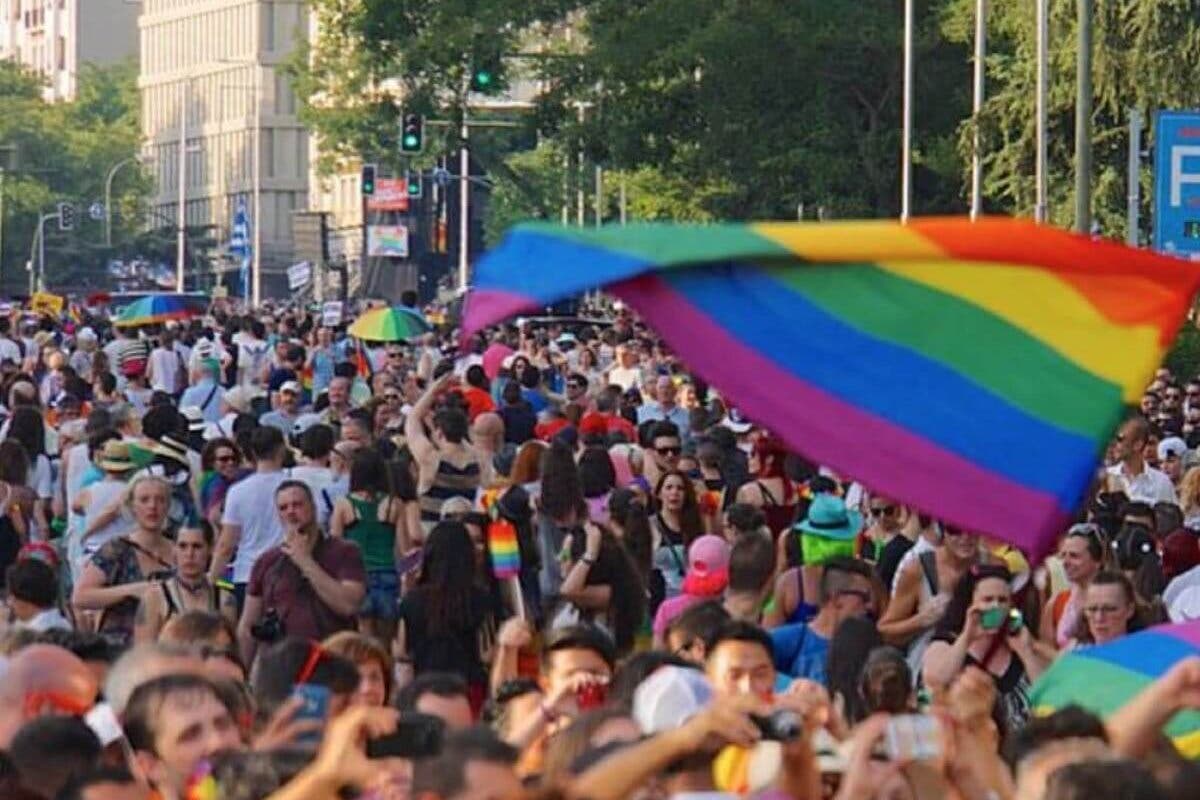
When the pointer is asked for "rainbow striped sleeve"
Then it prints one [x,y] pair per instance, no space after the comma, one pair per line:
[972,369]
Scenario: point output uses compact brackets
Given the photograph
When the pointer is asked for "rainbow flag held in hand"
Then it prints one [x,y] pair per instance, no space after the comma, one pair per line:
[975,370]
[1105,677]
[502,543]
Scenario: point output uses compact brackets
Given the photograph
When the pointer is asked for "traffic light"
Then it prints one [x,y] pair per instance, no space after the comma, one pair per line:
[412,133]
[486,67]
[66,217]
[412,182]
[368,179]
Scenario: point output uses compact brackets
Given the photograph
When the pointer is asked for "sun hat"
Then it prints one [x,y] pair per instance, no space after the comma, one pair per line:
[828,530]
[736,422]
[670,697]
[708,566]
[239,398]
[115,457]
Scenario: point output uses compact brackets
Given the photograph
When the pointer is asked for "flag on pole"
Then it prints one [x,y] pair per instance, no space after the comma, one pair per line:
[239,242]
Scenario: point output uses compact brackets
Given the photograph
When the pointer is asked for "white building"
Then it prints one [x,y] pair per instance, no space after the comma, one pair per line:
[223,61]
[57,37]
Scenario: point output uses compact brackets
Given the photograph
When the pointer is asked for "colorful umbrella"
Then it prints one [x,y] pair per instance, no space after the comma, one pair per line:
[1103,678]
[974,370]
[395,324]
[156,309]
[493,359]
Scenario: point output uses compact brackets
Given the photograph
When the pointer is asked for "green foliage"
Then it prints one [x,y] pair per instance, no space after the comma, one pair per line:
[1145,56]
[62,153]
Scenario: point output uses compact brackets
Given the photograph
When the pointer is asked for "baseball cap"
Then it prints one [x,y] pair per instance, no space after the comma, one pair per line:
[304,422]
[1171,447]
[708,566]
[86,333]
[670,697]
[290,386]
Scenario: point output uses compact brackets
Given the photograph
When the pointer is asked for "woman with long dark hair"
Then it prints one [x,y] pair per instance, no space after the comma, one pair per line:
[440,620]
[676,524]
[27,427]
[978,630]
[369,517]
[561,511]
[597,479]
[603,584]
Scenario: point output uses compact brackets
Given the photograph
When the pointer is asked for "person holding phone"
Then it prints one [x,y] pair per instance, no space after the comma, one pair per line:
[980,630]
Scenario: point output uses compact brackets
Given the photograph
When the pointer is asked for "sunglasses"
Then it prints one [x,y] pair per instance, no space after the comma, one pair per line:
[226,458]
[883,511]
[668,451]
[395,355]
[1101,611]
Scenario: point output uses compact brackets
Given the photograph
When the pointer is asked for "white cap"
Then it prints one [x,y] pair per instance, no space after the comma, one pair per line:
[670,697]
[290,386]
[304,422]
[1171,447]
[240,397]
[86,333]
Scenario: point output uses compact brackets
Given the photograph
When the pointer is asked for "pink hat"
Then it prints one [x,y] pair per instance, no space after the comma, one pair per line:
[708,567]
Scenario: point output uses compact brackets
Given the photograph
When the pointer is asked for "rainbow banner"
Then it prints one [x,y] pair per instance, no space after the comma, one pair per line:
[972,369]
[1105,677]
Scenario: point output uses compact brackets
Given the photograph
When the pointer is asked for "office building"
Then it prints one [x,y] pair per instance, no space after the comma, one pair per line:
[57,37]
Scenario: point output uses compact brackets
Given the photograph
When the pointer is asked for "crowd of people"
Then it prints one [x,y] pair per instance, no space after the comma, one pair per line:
[246,556]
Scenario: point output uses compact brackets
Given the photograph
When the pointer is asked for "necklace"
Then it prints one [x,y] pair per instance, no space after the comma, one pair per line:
[193,588]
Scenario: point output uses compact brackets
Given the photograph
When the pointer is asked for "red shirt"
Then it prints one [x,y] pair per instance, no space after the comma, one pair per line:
[595,422]
[546,430]
[478,402]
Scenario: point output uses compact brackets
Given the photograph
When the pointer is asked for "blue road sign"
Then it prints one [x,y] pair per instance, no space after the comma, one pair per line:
[1177,183]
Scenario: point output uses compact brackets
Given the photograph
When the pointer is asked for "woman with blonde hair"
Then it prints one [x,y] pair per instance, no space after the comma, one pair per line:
[1189,498]
[122,571]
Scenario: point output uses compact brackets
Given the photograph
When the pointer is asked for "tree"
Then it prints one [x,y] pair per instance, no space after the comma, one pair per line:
[1146,54]
[62,153]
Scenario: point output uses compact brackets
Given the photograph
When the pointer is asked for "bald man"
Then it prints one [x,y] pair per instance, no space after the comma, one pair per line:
[42,680]
[487,434]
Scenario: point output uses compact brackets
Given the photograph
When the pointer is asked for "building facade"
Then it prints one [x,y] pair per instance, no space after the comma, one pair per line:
[214,89]
[57,37]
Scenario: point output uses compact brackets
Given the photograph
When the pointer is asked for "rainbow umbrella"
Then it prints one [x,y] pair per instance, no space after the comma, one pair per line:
[156,309]
[1104,677]
[394,324]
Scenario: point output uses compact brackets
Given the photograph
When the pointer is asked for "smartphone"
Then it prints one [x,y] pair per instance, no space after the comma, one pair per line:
[315,706]
[416,736]
[912,737]
[591,695]
[1016,621]
[992,618]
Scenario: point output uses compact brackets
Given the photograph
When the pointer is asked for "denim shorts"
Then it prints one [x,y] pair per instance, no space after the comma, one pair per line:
[383,595]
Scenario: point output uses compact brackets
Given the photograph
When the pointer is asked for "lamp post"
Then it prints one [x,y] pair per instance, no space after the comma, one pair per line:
[256,170]
[108,182]
[906,130]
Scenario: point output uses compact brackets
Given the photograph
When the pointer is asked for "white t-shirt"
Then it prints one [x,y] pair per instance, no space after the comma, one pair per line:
[250,504]
[164,367]
[41,478]
[252,355]
[626,378]
[9,350]
[1151,486]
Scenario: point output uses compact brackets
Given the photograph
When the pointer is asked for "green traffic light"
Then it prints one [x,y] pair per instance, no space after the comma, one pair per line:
[410,140]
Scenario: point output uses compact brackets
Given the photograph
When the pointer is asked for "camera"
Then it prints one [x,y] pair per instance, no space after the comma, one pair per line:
[782,725]
[270,628]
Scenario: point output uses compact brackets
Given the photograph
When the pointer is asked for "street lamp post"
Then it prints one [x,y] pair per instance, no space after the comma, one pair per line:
[906,130]
[1083,121]
[181,241]
[108,182]
[977,107]
[256,169]
[1043,36]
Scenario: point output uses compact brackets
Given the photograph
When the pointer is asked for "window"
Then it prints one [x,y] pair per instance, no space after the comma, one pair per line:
[60,54]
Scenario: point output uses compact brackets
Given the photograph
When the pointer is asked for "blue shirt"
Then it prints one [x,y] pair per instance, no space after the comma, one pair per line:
[196,395]
[678,415]
[800,653]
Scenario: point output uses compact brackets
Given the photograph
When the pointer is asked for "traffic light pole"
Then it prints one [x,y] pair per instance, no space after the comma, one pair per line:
[464,210]
[37,278]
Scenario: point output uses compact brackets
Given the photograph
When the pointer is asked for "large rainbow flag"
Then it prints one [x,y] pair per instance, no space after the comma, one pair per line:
[1105,677]
[972,369]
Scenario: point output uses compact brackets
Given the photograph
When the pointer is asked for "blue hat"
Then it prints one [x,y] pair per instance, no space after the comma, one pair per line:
[828,517]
